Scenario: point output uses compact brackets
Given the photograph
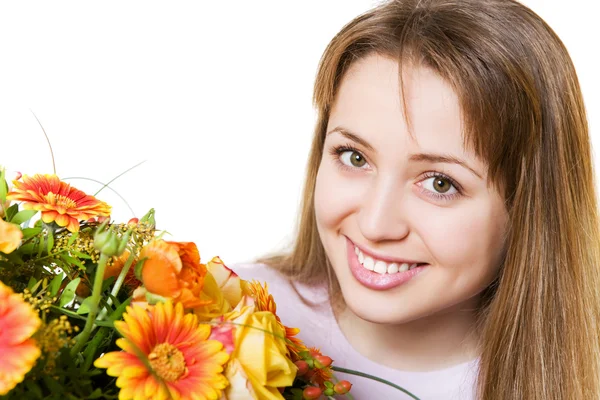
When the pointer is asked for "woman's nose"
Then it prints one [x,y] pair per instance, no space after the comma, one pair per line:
[383,212]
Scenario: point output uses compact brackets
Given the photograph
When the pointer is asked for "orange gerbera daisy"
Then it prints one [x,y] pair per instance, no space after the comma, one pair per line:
[18,321]
[167,355]
[264,301]
[57,200]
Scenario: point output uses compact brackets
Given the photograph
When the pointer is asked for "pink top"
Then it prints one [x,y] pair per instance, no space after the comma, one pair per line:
[319,328]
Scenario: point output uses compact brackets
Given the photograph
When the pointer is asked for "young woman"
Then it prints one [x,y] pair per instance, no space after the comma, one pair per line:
[448,239]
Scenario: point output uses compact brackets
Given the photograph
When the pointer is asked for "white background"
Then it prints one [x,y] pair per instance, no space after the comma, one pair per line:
[214,96]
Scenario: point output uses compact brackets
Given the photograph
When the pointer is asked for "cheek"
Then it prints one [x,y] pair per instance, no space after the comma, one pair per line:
[470,239]
[336,197]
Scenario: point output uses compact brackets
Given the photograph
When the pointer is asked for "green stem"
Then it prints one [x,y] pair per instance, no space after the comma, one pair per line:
[375,378]
[90,351]
[72,314]
[118,283]
[91,318]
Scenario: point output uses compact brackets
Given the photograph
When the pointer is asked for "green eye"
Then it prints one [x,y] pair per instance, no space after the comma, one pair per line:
[441,185]
[353,158]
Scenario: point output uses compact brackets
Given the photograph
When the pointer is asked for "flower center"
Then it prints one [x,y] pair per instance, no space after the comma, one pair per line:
[60,200]
[168,362]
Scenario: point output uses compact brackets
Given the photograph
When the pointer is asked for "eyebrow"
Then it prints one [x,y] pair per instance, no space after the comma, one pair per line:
[442,158]
[352,136]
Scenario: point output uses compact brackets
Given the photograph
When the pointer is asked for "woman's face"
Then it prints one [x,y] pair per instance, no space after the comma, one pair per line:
[406,215]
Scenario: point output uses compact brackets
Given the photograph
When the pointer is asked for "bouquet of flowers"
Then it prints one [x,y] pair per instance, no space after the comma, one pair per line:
[91,308]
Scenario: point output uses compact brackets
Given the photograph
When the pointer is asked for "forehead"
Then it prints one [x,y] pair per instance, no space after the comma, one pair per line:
[369,101]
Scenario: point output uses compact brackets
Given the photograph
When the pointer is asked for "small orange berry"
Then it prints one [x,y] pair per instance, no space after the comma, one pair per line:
[302,367]
[342,387]
[311,393]
[324,361]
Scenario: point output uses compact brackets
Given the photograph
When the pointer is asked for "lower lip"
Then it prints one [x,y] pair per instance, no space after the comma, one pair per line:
[374,280]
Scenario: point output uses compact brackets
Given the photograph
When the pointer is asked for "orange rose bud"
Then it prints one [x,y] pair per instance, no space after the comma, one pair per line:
[311,393]
[173,270]
[302,367]
[342,387]
[133,221]
[324,361]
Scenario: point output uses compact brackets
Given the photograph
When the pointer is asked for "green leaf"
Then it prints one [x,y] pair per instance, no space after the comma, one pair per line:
[86,306]
[41,246]
[68,293]
[27,248]
[79,254]
[107,283]
[22,216]
[95,394]
[72,239]
[115,315]
[11,211]
[138,268]
[3,186]
[55,283]
[72,261]
[53,385]
[36,286]
[33,389]
[31,232]
[31,283]
[50,239]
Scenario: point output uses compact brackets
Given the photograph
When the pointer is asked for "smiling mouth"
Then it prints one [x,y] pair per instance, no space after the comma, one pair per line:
[383,267]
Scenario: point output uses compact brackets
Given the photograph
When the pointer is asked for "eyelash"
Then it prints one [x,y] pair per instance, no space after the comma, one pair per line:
[337,151]
[440,196]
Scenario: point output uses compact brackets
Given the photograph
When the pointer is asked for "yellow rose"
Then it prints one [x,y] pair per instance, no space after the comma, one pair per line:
[10,236]
[259,362]
[223,290]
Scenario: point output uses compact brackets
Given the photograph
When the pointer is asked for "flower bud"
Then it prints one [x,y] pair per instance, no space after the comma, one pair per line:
[108,242]
[311,393]
[323,361]
[342,387]
[133,221]
[302,367]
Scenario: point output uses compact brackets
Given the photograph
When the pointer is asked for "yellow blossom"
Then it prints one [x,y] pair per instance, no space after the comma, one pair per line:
[260,362]
[10,236]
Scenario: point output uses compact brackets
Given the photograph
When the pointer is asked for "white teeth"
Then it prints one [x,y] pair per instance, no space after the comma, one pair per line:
[369,263]
[393,268]
[380,267]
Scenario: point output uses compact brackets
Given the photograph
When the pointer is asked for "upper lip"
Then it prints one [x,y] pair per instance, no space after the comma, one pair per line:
[385,258]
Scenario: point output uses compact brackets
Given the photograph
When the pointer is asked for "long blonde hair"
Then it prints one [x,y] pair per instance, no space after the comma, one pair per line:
[524,114]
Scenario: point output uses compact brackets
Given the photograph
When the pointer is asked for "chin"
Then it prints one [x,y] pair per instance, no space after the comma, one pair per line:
[376,307]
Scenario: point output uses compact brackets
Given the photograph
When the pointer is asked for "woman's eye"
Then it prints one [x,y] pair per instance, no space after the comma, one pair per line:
[353,159]
[439,184]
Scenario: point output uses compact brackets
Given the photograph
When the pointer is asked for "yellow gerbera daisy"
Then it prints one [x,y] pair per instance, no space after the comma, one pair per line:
[57,200]
[18,321]
[167,355]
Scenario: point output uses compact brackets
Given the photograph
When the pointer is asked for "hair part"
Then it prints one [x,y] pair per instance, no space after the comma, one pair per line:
[524,115]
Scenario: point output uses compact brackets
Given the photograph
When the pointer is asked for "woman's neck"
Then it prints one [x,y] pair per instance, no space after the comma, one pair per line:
[435,342]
